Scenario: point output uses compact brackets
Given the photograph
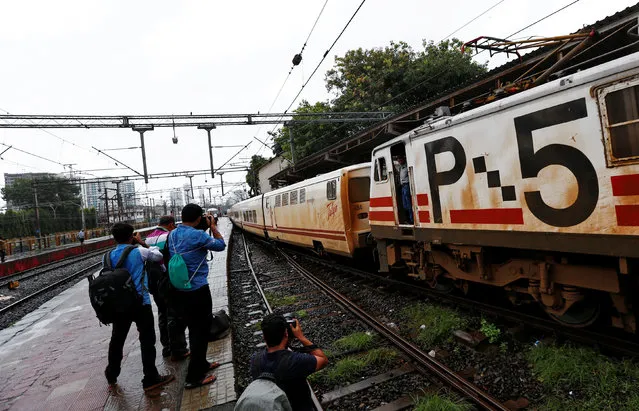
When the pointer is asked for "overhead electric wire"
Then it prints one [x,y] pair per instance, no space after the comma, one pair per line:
[442,71]
[34,155]
[326,54]
[472,20]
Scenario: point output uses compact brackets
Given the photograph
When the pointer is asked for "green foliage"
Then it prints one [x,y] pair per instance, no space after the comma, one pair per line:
[438,323]
[392,78]
[278,300]
[352,367]
[490,330]
[252,176]
[437,402]
[58,206]
[356,341]
[301,314]
[580,378]
[396,77]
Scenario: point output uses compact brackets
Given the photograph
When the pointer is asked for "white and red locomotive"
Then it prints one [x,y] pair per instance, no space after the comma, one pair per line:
[537,193]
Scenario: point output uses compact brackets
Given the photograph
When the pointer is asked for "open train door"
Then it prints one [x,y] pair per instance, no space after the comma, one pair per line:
[382,197]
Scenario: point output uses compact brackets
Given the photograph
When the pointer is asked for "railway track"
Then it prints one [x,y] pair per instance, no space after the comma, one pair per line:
[43,269]
[434,371]
[47,288]
[625,346]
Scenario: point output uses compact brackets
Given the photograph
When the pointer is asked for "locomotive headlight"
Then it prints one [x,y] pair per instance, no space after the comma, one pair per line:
[362,216]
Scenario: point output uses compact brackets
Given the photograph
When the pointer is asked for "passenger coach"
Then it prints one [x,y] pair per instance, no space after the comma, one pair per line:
[328,213]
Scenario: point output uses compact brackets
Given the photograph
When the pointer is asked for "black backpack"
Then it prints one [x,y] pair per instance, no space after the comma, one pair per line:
[159,282]
[113,294]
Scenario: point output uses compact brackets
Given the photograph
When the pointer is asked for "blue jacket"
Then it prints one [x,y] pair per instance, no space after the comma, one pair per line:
[193,246]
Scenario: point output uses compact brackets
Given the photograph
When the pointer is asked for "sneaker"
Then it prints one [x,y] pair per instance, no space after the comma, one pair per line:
[160,381]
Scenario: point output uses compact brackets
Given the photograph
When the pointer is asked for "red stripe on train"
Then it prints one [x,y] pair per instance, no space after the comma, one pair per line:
[422,199]
[488,216]
[627,215]
[627,185]
[381,202]
[381,216]
[424,217]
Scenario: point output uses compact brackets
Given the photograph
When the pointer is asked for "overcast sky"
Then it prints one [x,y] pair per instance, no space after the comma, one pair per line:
[168,57]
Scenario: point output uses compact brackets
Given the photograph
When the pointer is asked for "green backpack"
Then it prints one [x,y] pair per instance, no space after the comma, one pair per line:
[179,272]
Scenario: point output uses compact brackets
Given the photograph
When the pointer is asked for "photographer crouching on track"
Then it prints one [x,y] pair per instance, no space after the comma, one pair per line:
[290,368]
[188,247]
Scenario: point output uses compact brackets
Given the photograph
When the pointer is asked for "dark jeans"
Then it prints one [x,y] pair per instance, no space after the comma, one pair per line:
[171,329]
[406,202]
[195,308]
[143,319]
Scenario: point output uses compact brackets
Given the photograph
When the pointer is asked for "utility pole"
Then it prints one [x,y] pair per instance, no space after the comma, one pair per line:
[192,192]
[37,210]
[208,128]
[222,182]
[106,201]
[291,142]
[210,195]
[141,130]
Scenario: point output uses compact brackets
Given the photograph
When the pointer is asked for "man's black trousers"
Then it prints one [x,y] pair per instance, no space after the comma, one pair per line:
[195,308]
[171,329]
[143,319]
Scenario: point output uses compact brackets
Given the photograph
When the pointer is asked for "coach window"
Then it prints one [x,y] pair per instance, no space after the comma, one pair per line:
[331,190]
[284,199]
[268,202]
[381,173]
[278,200]
[302,195]
[254,216]
[293,197]
[620,106]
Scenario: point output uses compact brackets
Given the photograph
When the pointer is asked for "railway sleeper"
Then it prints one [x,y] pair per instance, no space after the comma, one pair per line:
[570,291]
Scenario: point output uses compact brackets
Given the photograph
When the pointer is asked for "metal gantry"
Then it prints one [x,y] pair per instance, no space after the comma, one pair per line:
[207,122]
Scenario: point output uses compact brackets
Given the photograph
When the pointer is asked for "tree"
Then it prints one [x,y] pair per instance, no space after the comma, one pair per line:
[58,204]
[252,177]
[309,138]
[396,77]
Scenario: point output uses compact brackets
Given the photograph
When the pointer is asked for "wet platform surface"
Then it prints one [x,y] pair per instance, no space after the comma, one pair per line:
[54,358]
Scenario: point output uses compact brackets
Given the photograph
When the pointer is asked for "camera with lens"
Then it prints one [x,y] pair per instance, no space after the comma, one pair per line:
[290,322]
[204,223]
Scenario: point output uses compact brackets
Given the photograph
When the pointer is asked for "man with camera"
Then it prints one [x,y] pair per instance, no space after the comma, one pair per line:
[194,304]
[290,368]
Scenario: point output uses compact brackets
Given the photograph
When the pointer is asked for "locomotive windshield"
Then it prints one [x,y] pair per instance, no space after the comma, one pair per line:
[358,189]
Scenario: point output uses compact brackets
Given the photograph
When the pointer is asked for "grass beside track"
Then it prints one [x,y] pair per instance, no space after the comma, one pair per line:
[277,300]
[441,402]
[355,342]
[351,367]
[432,325]
[581,379]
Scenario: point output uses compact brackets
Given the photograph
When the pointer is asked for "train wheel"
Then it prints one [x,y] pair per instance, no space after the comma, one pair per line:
[581,314]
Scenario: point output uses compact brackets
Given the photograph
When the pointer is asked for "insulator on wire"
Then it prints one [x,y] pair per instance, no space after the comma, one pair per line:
[297,59]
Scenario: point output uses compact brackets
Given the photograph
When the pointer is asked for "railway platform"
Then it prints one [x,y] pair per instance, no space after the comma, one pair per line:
[54,358]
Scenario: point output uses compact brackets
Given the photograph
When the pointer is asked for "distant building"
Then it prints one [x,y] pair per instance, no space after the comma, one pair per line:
[93,197]
[274,166]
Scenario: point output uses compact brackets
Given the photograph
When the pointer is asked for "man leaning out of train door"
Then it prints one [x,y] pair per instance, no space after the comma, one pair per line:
[405,183]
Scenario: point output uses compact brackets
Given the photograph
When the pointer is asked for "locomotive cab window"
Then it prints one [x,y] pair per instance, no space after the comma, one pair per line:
[331,190]
[619,105]
[381,173]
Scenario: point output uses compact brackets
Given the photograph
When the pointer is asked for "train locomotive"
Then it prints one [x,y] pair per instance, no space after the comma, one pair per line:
[536,193]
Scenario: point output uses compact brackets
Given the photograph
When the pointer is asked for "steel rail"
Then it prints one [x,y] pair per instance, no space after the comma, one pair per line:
[444,373]
[48,288]
[316,402]
[582,335]
[31,272]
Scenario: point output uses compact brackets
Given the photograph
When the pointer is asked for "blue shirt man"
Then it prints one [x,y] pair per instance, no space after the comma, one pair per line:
[140,314]
[193,245]
[194,305]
